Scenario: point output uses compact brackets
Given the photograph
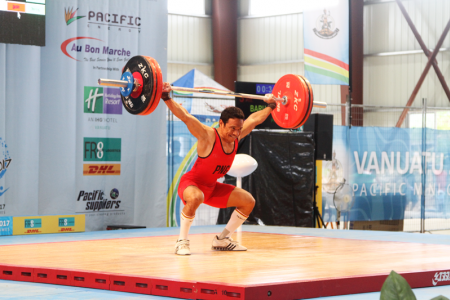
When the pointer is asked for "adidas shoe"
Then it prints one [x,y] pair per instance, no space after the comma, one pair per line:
[182,247]
[226,244]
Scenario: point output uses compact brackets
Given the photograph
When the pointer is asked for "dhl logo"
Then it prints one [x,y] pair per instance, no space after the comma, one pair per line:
[101,169]
[66,229]
[32,231]
[16,7]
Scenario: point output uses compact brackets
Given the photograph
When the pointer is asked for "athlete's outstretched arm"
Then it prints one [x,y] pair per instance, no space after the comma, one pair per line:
[195,127]
[258,117]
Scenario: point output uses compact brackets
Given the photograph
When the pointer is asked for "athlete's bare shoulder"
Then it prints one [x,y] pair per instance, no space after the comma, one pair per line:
[206,143]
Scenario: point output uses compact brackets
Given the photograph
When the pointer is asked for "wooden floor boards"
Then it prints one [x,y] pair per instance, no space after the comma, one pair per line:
[271,258]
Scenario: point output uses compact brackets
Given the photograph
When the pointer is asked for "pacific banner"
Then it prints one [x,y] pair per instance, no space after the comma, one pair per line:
[326,43]
[67,145]
[382,173]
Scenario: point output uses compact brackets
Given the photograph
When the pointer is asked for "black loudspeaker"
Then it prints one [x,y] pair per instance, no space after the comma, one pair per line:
[322,126]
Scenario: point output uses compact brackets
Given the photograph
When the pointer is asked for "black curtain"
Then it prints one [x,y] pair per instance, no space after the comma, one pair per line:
[283,183]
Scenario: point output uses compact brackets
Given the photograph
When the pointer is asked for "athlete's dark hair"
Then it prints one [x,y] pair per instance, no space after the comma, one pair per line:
[231,112]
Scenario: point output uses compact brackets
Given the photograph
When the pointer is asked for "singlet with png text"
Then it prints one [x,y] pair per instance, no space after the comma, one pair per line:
[207,170]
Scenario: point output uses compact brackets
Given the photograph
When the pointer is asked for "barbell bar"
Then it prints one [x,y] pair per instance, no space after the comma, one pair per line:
[141,89]
[124,84]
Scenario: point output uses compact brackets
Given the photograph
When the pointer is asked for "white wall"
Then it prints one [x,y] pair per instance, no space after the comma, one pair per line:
[390,80]
[271,46]
[189,46]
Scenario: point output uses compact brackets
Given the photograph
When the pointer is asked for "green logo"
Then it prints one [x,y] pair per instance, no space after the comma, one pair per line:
[64,222]
[102,149]
[93,100]
[33,223]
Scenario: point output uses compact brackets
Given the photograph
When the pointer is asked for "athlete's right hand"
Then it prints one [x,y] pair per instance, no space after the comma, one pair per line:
[166,91]
[166,87]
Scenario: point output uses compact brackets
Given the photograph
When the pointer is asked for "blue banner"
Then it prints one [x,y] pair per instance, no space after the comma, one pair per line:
[391,173]
[6,225]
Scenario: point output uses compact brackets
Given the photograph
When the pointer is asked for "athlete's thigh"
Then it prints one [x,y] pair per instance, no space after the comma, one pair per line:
[240,197]
[220,195]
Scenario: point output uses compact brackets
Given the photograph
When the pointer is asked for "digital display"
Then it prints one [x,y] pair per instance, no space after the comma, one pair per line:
[264,88]
[250,106]
[22,22]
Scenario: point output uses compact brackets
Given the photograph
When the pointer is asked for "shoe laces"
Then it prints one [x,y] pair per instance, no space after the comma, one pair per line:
[231,240]
[183,244]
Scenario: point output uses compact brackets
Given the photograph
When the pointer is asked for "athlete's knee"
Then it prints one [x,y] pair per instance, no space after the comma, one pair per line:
[248,200]
[194,198]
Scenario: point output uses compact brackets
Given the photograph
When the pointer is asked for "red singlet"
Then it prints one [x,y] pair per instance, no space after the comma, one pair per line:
[206,171]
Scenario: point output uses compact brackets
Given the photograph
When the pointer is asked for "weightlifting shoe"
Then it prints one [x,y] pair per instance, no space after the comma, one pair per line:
[226,244]
[182,247]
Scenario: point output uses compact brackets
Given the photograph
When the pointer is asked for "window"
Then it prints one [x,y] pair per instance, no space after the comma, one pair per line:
[277,7]
[415,120]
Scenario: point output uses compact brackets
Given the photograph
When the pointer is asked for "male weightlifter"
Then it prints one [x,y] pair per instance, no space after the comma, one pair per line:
[216,149]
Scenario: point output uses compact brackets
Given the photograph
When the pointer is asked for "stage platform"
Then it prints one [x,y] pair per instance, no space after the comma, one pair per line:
[281,263]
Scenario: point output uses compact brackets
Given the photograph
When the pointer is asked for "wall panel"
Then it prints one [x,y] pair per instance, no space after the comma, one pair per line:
[175,71]
[390,79]
[270,39]
[386,30]
[189,46]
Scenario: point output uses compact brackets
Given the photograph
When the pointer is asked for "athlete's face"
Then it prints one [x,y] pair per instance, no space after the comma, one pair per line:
[232,129]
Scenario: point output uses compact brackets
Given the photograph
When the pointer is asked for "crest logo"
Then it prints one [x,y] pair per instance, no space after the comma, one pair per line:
[69,15]
[325,26]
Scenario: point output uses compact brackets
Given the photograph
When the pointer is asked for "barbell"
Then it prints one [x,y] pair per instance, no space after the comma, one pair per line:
[141,88]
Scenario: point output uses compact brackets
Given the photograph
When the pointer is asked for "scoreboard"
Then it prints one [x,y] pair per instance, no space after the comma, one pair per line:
[250,106]
[22,22]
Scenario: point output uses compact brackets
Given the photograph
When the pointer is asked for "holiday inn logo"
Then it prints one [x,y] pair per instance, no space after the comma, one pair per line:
[69,15]
[99,100]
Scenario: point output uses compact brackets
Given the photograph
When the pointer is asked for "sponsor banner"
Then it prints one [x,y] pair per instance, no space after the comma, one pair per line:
[96,201]
[6,225]
[77,133]
[48,224]
[98,100]
[68,223]
[385,172]
[326,43]
[102,149]
[101,169]
[335,175]
[441,278]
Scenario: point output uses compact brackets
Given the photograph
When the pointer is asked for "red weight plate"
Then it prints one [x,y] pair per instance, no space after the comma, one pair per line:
[152,100]
[310,98]
[159,75]
[138,103]
[158,85]
[155,101]
[295,112]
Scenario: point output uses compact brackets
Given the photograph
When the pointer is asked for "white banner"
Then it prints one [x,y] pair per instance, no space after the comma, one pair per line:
[73,146]
[326,43]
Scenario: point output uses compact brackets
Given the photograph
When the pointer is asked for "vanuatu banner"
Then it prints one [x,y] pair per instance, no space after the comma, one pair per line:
[382,173]
[326,43]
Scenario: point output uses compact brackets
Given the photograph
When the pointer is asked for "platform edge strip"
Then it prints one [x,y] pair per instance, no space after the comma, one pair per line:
[159,286]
